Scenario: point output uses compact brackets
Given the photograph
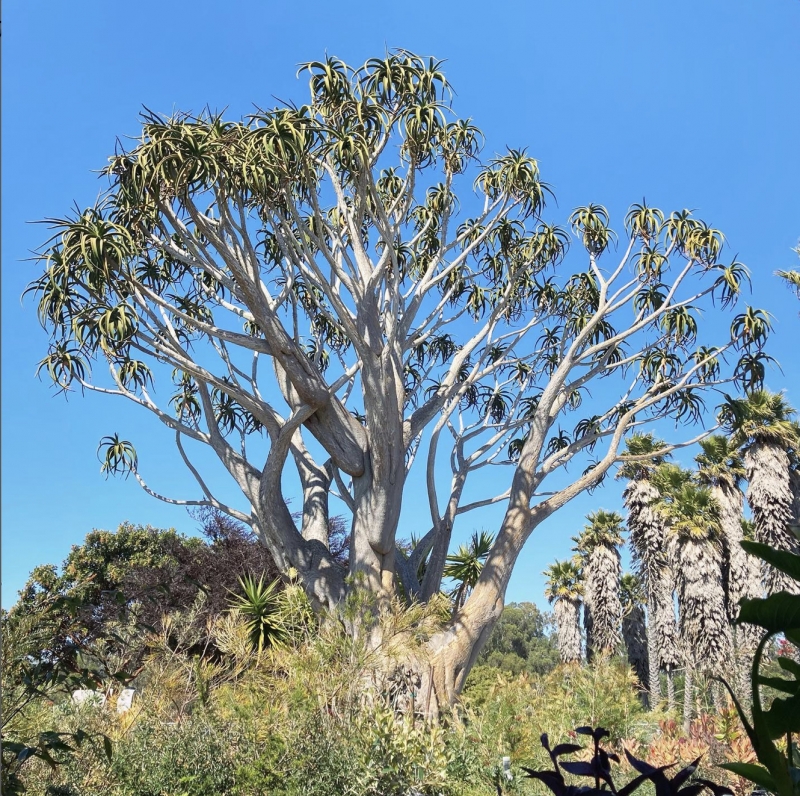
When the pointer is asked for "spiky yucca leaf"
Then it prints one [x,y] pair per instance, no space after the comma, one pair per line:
[260,605]
[465,566]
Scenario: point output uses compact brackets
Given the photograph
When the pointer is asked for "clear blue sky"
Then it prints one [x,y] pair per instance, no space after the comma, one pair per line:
[691,104]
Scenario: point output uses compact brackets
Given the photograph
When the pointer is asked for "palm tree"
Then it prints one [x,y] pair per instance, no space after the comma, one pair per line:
[597,548]
[721,469]
[647,539]
[465,566]
[695,529]
[564,591]
[761,425]
[634,630]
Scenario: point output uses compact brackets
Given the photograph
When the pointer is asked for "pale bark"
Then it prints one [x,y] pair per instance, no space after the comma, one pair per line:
[339,265]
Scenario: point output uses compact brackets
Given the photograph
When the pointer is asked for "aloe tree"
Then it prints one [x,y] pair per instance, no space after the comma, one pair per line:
[761,424]
[647,537]
[327,287]
[564,590]
[598,550]
[695,528]
[465,566]
[791,278]
[634,627]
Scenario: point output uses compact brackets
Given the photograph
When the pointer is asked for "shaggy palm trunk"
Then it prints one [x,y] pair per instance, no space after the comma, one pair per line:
[568,629]
[653,677]
[704,625]
[646,535]
[794,486]
[634,634]
[668,641]
[602,606]
[770,497]
[742,581]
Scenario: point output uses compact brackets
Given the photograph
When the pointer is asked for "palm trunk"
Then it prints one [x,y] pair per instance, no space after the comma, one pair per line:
[770,497]
[647,545]
[653,677]
[603,606]
[705,630]
[568,630]
[634,633]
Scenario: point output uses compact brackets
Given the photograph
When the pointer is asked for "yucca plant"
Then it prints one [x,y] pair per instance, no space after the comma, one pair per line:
[261,605]
[465,565]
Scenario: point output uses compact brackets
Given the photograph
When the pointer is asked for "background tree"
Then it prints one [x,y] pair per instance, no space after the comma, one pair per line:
[564,590]
[330,286]
[761,424]
[134,577]
[520,642]
[791,278]
[598,552]
[634,628]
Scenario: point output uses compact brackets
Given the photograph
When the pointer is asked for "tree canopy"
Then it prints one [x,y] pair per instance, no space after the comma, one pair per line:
[347,286]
